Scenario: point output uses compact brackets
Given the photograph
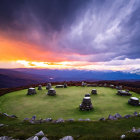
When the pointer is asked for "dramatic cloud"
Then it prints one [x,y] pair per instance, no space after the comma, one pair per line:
[91,31]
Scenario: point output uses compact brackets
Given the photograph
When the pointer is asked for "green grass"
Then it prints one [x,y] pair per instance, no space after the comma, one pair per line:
[66,103]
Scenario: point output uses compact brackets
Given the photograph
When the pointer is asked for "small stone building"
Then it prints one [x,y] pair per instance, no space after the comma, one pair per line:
[40,87]
[51,92]
[94,91]
[31,91]
[123,93]
[86,104]
[134,101]
[49,85]
[59,86]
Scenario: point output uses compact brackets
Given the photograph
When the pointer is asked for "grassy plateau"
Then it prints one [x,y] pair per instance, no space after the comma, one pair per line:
[66,103]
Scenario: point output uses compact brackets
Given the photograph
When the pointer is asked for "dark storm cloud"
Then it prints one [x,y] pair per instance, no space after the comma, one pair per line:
[97,30]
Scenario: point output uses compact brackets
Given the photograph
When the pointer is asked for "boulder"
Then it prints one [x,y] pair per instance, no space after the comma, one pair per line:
[102,119]
[44,138]
[31,91]
[39,134]
[127,116]
[33,117]
[135,113]
[123,93]
[118,116]
[110,117]
[33,138]
[60,120]
[13,116]
[5,138]
[137,130]
[49,119]
[123,136]
[67,138]
[1,125]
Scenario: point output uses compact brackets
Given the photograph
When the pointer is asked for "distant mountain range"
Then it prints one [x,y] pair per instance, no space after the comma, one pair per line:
[25,76]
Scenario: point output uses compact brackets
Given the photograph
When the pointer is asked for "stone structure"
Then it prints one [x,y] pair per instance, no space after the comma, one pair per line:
[134,101]
[123,93]
[31,91]
[59,86]
[40,87]
[94,91]
[83,84]
[51,92]
[91,85]
[49,85]
[86,104]
[65,85]
[87,95]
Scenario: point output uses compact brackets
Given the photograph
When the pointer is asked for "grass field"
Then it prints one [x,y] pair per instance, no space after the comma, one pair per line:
[66,103]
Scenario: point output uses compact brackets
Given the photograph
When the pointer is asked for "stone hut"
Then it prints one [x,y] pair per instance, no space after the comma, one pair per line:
[83,84]
[49,85]
[59,86]
[134,101]
[51,92]
[123,93]
[31,91]
[65,85]
[94,91]
[87,95]
[91,85]
[40,87]
[86,104]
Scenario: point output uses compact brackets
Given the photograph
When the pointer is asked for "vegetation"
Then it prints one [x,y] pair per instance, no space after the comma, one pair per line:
[66,103]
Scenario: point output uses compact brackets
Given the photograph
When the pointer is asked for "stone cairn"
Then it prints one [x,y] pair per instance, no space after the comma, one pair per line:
[40,87]
[123,93]
[51,92]
[83,84]
[86,104]
[49,85]
[94,91]
[59,86]
[134,101]
[31,91]
[87,95]
[65,85]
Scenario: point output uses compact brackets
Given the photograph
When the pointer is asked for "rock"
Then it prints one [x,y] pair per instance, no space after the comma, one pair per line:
[13,116]
[87,119]
[137,130]
[67,138]
[44,138]
[123,136]
[5,138]
[49,119]
[33,117]
[102,119]
[26,119]
[49,85]
[110,117]
[39,134]
[70,120]
[135,113]
[134,101]
[1,125]
[127,116]
[118,116]
[33,138]
[5,114]
[32,121]
[123,93]
[80,119]
[60,120]
[133,130]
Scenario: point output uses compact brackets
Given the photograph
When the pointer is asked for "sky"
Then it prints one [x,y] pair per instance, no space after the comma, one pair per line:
[70,34]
